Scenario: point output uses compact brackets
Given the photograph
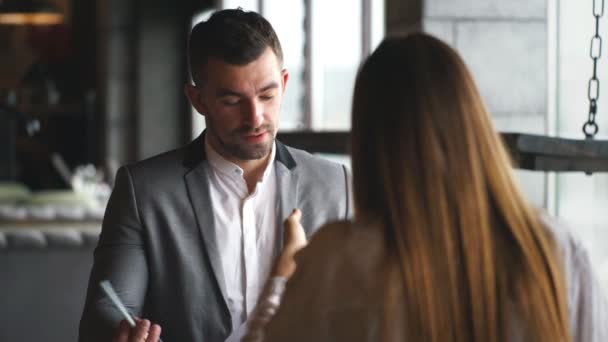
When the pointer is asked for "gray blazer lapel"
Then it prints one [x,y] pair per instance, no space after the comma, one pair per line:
[287,187]
[287,190]
[197,183]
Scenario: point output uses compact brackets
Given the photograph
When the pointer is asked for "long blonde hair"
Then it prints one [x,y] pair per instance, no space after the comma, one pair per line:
[470,259]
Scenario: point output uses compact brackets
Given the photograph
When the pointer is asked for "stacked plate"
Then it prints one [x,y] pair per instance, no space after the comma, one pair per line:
[18,203]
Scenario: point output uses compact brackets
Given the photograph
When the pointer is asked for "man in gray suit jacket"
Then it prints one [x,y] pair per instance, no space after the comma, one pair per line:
[190,235]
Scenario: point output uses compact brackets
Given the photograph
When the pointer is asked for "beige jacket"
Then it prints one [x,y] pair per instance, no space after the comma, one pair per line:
[336,293]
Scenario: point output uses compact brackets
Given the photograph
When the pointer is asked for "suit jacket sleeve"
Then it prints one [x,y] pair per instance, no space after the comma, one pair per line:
[119,257]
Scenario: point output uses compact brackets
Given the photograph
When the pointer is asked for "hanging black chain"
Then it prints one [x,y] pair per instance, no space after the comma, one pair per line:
[590,127]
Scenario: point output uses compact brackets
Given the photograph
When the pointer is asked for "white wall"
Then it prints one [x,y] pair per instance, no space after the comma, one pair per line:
[504,44]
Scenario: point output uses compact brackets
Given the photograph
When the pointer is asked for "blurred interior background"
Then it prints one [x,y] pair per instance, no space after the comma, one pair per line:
[99,84]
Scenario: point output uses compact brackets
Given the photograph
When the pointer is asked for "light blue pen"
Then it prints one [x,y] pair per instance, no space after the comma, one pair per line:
[109,290]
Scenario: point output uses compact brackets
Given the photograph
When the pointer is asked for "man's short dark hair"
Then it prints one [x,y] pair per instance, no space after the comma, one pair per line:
[234,36]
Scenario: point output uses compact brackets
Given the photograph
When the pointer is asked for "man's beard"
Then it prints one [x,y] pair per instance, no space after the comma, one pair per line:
[236,147]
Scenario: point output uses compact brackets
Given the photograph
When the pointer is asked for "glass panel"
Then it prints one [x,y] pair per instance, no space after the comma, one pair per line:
[533,186]
[577,26]
[581,200]
[532,183]
[338,47]
[287,18]
[247,5]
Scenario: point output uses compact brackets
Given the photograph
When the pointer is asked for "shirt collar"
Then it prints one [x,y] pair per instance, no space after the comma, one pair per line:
[230,169]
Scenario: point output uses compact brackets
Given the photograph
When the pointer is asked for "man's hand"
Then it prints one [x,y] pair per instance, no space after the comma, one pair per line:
[294,239]
[141,332]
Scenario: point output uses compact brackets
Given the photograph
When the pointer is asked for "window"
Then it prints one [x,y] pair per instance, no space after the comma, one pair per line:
[323,44]
[287,18]
[581,199]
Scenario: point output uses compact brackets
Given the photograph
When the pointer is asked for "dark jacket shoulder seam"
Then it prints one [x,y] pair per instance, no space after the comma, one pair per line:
[134,194]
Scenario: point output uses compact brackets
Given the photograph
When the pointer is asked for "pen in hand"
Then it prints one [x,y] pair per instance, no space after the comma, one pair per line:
[106,286]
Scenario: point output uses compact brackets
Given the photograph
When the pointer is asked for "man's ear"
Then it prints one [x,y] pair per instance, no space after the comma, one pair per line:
[284,78]
[196,98]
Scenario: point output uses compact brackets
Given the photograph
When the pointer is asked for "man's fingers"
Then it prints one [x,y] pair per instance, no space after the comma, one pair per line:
[140,331]
[122,334]
[154,333]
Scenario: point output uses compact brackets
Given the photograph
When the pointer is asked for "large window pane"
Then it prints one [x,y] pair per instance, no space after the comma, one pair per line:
[338,50]
[582,200]
[287,18]
[247,5]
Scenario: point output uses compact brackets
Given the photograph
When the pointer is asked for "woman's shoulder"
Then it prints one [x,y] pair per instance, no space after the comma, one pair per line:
[335,288]
[343,251]
[568,244]
[341,266]
[340,237]
[570,249]
[587,300]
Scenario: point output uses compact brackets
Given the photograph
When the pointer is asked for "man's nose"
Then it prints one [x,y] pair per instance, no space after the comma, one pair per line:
[254,113]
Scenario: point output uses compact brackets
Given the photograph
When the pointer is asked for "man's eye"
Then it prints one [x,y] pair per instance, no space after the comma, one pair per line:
[266,97]
[230,102]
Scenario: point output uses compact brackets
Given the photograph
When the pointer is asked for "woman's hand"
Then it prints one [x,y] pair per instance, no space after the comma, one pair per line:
[294,239]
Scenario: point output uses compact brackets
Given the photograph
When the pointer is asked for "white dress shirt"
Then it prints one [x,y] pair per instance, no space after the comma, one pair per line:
[246,230]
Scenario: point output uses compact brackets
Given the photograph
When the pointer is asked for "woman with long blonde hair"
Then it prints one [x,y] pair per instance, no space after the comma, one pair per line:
[443,246]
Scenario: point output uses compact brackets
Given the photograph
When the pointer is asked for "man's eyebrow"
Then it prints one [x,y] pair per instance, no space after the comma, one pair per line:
[228,92]
[271,85]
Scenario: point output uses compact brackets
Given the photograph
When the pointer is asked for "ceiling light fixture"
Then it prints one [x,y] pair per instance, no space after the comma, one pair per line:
[29,12]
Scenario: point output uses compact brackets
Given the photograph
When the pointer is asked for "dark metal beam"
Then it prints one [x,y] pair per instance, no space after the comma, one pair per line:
[542,153]
[528,151]
[318,142]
